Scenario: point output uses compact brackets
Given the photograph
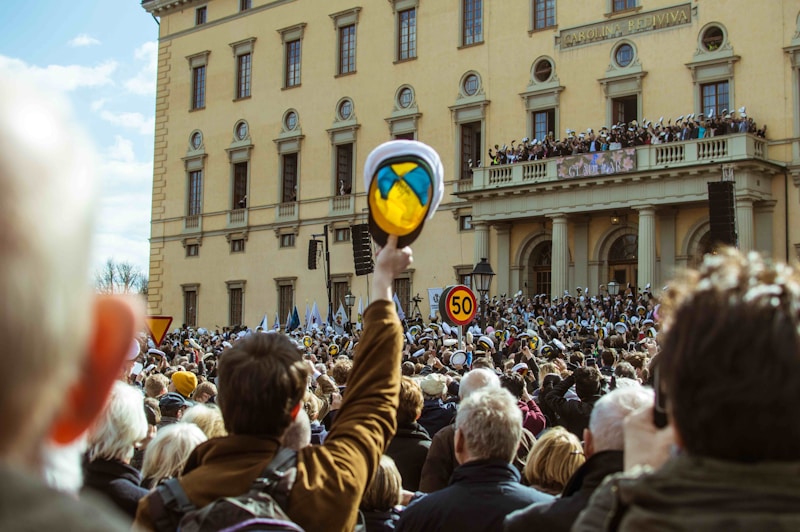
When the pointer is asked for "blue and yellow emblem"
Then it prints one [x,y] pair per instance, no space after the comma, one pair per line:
[399,198]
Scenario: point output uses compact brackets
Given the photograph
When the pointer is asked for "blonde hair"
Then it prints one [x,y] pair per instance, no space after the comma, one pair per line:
[554,458]
[122,425]
[386,488]
[166,455]
[548,368]
[156,385]
[208,418]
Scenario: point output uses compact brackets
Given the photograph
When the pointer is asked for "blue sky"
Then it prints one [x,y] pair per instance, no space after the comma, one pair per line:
[102,56]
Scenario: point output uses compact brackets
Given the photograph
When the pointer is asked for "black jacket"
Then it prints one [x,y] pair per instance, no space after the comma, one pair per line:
[121,483]
[436,415]
[377,521]
[573,415]
[408,449]
[480,495]
[560,514]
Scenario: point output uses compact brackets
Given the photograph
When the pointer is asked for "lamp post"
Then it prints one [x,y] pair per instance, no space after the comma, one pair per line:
[349,301]
[482,280]
[613,288]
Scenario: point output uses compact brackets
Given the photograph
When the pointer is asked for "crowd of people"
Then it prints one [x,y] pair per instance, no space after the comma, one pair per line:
[544,419]
[627,135]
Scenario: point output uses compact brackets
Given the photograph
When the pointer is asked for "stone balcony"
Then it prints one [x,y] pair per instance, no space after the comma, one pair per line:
[669,158]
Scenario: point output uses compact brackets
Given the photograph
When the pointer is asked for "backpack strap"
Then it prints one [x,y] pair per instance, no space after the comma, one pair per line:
[168,504]
[278,477]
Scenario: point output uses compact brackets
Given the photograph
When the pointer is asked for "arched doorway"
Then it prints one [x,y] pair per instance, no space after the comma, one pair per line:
[704,246]
[623,261]
[539,266]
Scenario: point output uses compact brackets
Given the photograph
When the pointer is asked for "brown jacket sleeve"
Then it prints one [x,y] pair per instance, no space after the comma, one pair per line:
[440,462]
[331,478]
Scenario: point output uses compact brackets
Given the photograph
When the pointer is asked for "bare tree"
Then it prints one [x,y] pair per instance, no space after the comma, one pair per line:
[120,278]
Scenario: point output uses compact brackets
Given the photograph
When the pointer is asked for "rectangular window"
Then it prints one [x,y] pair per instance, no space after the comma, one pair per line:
[240,185]
[289,169]
[405,136]
[342,235]
[347,49]
[199,87]
[287,240]
[235,306]
[339,290]
[544,14]
[194,206]
[543,123]
[625,109]
[407,34]
[243,75]
[715,96]
[465,223]
[237,245]
[472,30]
[470,148]
[344,169]
[292,73]
[402,287]
[190,307]
[200,15]
[192,250]
[244,5]
[622,5]
[285,300]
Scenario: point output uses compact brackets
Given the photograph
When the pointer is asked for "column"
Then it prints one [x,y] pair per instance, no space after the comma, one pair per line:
[763,213]
[744,223]
[647,246]
[481,242]
[559,269]
[503,268]
[668,244]
[580,252]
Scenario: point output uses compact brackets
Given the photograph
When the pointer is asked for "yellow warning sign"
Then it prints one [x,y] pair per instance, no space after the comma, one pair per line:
[158,326]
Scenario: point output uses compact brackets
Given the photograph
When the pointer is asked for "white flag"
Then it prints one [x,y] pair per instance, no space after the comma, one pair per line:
[360,315]
[264,323]
[400,313]
[316,318]
[308,317]
[339,320]
[277,324]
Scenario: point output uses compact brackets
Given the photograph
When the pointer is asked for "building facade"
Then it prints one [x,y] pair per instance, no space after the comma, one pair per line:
[267,109]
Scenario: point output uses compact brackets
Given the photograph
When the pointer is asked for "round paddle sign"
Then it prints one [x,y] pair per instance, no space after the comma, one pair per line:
[459,305]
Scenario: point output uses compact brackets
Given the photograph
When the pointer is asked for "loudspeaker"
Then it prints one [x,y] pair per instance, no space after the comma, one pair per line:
[722,213]
[312,253]
[362,249]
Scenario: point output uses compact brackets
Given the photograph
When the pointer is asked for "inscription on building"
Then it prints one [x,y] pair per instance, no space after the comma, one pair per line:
[624,26]
[597,163]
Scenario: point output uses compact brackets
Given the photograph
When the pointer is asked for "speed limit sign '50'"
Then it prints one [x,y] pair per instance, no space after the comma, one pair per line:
[457,305]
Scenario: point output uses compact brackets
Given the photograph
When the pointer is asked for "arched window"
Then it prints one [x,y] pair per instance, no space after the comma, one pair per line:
[623,261]
[540,267]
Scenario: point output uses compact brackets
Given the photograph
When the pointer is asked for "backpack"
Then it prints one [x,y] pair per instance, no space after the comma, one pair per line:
[260,509]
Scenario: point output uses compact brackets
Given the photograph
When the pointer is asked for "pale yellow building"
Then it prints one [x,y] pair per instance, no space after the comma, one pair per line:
[266,111]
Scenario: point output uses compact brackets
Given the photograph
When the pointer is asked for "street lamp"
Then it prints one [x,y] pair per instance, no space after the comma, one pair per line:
[349,301]
[613,288]
[482,278]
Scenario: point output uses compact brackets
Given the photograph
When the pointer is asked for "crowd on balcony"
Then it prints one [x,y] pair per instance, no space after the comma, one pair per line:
[626,135]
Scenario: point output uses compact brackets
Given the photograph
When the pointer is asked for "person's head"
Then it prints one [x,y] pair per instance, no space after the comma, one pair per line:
[311,404]
[183,382]
[554,458]
[120,427]
[173,405]
[548,368]
[433,385]
[607,357]
[483,362]
[341,369]
[168,452]
[207,417]
[477,379]
[514,383]
[155,385]
[606,424]
[408,368]
[411,402]
[730,358]
[625,370]
[63,346]
[261,381]
[385,491]
[488,426]
[204,392]
[588,382]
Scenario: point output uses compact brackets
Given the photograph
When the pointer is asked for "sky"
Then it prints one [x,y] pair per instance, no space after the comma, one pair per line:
[102,56]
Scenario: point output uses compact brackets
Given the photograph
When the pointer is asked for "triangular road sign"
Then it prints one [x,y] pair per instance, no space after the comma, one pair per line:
[158,326]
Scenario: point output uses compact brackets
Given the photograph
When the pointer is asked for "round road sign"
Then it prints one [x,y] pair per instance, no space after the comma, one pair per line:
[459,305]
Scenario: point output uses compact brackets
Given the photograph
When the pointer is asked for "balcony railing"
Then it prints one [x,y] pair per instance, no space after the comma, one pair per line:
[341,204]
[287,211]
[191,223]
[237,218]
[716,150]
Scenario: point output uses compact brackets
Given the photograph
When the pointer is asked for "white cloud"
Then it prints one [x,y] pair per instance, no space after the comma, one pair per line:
[83,40]
[98,104]
[145,80]
[136,121]
[60,77]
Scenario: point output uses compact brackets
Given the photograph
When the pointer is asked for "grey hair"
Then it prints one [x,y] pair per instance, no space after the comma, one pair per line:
[166,455]
[609,413]
[477,379]
[122,425]
[298,434]
[490,423]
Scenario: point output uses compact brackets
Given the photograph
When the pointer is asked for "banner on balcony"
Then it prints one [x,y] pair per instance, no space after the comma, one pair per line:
[597,163]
